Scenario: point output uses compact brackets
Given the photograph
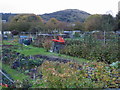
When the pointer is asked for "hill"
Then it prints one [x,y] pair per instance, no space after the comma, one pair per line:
[68,15]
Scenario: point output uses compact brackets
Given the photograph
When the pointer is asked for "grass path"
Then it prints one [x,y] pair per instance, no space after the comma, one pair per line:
[31,50]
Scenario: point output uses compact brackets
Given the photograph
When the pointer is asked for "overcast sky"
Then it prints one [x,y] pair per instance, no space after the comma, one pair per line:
[49,6]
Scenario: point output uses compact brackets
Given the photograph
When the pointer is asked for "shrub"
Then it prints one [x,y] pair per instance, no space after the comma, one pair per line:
[73,75]
[92,50]
[25,83]
[107,53]
[59,75]
[14,32]
[47,44]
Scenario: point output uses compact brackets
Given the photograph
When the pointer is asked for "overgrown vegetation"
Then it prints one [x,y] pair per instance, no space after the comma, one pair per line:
[93,49]
[73,75]
[51,74]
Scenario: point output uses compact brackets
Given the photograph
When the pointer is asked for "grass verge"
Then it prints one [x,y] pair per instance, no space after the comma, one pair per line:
[31,50]
[14,74]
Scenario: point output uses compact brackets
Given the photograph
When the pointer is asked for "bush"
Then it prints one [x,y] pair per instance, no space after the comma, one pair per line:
[73,75]
[59,75]
[47,44]
[14,32]
[92,50]
[25,83]
[107,53]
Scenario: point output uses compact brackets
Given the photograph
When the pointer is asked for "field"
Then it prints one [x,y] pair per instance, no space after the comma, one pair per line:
[83,63]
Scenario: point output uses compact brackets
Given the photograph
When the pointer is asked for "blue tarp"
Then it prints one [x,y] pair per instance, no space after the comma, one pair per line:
[25,40]
[23,36]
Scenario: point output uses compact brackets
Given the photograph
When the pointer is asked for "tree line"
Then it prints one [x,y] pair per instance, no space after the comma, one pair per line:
[34,23]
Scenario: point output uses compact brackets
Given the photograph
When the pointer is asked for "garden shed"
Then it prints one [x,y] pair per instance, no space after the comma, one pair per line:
[25,40]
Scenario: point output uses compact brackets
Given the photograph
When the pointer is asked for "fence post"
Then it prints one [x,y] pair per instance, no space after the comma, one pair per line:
[104,38]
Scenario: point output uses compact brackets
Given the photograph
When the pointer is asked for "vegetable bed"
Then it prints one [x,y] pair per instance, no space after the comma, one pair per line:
[47,71]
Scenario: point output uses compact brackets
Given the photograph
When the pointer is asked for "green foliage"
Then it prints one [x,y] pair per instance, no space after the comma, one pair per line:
[100,22]
[59,75]
[37,27]
[79,26]
[118,21]
[73,75]
[92,49]
[24,62]
[68,75]
[47,44]
[54,24]
[115,64]
[31,50]
[14,74]
[26,18]
[25,22]
[108,23]
[25,83]
[93,22]
[19,26]
[8,58]
[5,26]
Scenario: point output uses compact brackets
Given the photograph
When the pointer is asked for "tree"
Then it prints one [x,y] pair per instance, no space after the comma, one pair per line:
[5,26]
[53,24]
[100,22]
[25,22]
[93,22]
[20,26]
[118,21]
[26,18]
[37,27]
[78,26]
[108,23]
